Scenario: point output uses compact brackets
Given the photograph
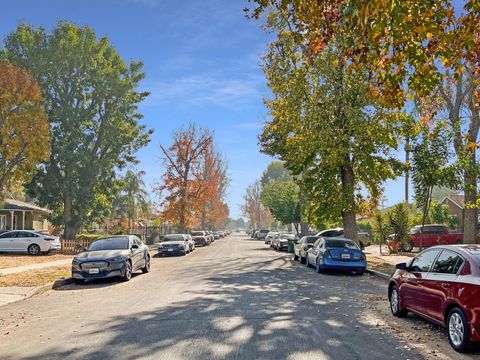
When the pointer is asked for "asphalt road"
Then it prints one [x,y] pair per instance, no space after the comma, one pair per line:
[236,299]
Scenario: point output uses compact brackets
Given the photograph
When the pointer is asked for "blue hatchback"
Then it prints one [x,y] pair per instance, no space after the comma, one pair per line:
[336,254]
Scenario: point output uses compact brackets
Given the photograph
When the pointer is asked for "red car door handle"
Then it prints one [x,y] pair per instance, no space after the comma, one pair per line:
[446,285]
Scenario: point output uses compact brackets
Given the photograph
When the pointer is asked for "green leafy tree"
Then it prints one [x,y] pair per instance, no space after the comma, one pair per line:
[439,213]
[327,128]
[432,167]
[91,99]
[281,198]
[381,228]
[399,222]
[275,171]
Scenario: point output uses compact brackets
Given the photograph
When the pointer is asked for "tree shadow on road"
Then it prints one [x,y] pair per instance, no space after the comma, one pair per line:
[268,309]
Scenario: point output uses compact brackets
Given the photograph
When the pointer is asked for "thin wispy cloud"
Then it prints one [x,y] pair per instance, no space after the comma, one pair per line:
[248,125]
[207,89]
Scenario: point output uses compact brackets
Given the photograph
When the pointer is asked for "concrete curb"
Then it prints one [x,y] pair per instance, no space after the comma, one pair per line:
[61,282]
[378,274]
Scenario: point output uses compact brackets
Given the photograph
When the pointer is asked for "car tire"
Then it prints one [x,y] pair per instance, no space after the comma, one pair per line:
[459,241]
[33,249]
[360,272]
[457,330]
[146,268]
[395,306]
[127,272]
[408,247]
[318,269]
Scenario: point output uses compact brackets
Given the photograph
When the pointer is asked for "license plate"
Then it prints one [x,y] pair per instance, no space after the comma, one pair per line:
[170,249]
[93,271]
[345,256]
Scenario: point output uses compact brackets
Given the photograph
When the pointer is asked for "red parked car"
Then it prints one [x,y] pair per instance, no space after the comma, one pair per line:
[442,284]
[431,235]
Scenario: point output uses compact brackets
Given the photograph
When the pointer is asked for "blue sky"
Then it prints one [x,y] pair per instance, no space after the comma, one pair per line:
[201,62]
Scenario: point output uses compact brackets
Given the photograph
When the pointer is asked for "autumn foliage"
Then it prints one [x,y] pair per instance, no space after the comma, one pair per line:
[24,128]
[194,182]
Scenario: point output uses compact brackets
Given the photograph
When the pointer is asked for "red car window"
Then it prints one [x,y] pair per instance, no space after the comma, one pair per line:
[423,262]
[448,262]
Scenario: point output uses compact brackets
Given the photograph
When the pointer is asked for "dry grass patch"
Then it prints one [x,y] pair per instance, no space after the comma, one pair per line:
[35,277]
[374,263]
[14,260]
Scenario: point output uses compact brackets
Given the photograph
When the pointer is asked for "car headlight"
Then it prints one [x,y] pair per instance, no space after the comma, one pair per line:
[118,258]
[75,261]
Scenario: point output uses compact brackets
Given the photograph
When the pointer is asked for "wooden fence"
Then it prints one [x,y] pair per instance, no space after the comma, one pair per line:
[75,246]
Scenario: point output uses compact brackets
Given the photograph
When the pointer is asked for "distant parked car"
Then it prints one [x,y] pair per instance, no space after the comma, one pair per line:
[281,241]
[28,241]
[216,235]
[301,248]
[336,254]
[191,242]
[363,237]
[115,256]
[261,234]
[442,284]
[270,236]
[174,244]
[431,235]
[201,238]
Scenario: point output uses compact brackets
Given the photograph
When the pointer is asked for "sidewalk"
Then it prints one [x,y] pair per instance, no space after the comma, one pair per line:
[15,293]
[45,265]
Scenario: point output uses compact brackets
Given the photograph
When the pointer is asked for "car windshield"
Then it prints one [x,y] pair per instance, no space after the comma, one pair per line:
[341,244]
[312,239]
[415,230]
[173,238]
[118,243]
[287,236]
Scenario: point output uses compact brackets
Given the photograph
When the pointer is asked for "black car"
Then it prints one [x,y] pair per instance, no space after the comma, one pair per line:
[116,256]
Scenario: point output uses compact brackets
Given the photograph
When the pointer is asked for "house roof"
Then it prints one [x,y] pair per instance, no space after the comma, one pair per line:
[11,204]
[458,200]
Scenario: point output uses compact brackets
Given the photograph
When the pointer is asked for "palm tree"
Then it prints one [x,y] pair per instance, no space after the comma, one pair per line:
[132,199]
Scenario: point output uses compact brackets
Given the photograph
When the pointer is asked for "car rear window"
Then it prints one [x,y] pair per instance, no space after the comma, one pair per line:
[118,243]
[197,233]
[173,238]
[335,244]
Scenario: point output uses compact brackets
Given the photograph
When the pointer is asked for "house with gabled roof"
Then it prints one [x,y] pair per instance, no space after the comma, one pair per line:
[21,215]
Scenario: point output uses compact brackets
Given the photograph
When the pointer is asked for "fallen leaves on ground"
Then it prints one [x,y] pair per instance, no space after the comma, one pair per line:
[377,264]
[10,261]
[35,277]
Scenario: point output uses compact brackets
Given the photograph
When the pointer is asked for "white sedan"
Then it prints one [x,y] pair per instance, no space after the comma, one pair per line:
[28,241]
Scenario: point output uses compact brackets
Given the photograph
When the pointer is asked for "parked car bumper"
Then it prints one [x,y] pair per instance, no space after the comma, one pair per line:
[170,251]
[282,245]
[331,264]
[82,271]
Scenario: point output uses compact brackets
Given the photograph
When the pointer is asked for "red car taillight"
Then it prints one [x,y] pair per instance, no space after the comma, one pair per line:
[327,255]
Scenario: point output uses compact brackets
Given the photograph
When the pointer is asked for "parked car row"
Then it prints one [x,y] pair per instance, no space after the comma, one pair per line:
[121,255]
[442,285]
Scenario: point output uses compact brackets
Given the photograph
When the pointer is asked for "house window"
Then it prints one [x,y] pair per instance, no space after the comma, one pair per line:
[3,222]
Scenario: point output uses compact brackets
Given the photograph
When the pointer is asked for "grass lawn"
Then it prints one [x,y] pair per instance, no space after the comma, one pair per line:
[35,277]
[14,260]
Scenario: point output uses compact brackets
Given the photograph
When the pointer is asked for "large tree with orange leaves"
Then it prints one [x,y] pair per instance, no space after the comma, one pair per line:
[24,127]
[194,181]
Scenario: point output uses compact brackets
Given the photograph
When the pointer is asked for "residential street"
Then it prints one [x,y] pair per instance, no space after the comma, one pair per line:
[235,300]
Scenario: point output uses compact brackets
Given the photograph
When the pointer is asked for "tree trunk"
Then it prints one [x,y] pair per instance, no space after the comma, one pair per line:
[470,213]
[348,214]
[303,228]
[70,230]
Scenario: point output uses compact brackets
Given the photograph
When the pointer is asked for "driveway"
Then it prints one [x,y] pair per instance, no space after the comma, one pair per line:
[236,299]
